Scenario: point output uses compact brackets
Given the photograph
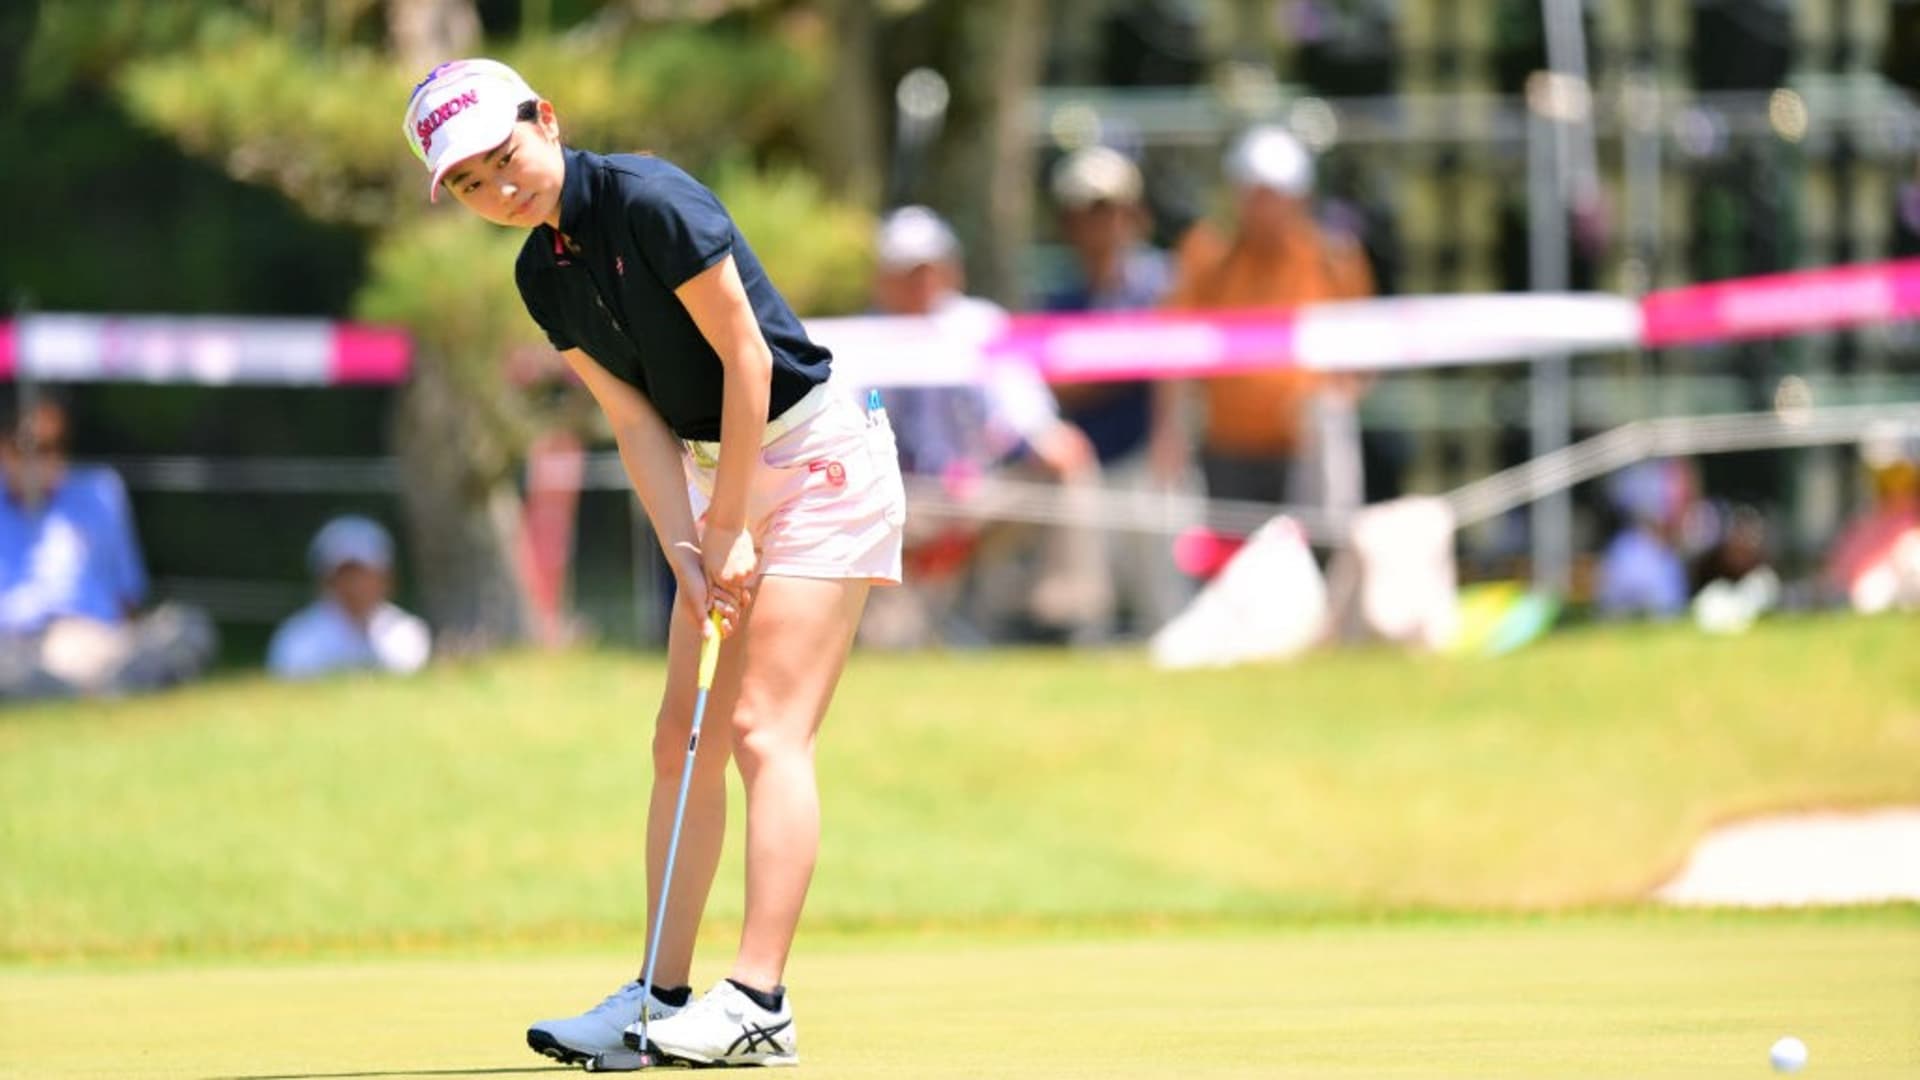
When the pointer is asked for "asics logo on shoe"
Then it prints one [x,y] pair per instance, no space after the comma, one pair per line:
[756,1037]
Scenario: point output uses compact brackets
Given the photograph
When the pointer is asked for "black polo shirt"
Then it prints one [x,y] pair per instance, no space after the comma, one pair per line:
[640,228]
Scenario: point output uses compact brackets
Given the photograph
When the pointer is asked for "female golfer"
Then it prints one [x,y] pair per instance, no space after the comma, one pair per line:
[775,496]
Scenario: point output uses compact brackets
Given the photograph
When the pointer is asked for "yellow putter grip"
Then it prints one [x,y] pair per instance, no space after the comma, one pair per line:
[710,652]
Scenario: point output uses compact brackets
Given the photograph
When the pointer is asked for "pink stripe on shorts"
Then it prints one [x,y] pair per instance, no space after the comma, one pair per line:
[827,500]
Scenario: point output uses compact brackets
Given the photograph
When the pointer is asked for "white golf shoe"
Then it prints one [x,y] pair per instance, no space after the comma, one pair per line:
[725,1027]
[577,1039]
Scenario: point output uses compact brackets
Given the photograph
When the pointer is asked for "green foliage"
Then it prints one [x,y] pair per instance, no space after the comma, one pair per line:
[482,803]
[122,221]
[449,276]
[693,94]
[87,41]
[818,252]
[324,129]
[324,126]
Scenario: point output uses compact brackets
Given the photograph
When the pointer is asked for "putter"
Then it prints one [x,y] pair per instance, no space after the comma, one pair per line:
[641,1057]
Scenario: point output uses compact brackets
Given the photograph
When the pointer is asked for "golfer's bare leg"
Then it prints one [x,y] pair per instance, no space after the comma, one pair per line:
[792,651]
[706,821]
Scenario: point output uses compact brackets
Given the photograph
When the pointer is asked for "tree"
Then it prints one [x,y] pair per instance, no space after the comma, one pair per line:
[850,126]
[989,52]
[424,32]
[462,509]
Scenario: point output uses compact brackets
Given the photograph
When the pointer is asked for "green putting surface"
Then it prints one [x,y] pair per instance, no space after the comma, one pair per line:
[1615,996]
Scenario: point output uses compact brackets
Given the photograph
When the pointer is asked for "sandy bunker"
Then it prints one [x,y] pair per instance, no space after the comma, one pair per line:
[1802,859]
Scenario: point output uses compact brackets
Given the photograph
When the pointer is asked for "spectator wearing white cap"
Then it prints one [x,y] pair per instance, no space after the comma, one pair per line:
[1277,435]
[1007,427]
[353,626]
[1098,194]
[918,274]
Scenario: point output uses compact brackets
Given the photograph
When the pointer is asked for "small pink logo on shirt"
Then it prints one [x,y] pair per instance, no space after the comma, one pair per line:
[620,265]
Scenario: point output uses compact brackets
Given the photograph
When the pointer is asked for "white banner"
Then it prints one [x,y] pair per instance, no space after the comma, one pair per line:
[203,350]
[88,348]
[1427,331]
[1360,335]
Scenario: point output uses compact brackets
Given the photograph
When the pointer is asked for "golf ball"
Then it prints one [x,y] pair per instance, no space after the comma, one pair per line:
[1789,1055]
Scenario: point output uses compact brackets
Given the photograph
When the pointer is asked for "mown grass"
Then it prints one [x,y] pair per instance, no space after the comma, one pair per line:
[501,802]
[1621,995]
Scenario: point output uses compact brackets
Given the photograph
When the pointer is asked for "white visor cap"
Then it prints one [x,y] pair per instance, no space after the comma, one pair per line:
[462,108]
[914,236]
[1271,158]
[1093,175]
[349,540]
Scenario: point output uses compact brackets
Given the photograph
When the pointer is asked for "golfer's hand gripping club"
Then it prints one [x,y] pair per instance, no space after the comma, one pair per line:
[710,651]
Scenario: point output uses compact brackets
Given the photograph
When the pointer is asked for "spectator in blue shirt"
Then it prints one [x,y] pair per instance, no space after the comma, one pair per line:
[67,543]
[1098,192]
[353,626]
[1642,572]
[72,580]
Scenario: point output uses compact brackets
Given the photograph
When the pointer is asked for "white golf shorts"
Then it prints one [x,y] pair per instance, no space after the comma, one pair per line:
[826,501]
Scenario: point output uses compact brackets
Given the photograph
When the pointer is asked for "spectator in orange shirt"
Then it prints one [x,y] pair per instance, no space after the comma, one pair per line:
[1277,435]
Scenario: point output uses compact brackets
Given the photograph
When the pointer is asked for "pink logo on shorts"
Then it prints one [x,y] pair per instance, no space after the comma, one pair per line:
[836,472]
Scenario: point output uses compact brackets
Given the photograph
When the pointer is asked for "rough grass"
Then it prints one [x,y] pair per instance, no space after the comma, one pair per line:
[501,802]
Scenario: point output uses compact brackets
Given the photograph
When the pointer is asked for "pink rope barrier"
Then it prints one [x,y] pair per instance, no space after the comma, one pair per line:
[1778,305]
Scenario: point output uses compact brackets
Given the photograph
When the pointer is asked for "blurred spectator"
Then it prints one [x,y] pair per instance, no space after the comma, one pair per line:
[1642,571]
[1734,547]
[352,626]
[1733,583]
[1131,424]
[979,578]
[72,580]
[1875,561]
[1277,435]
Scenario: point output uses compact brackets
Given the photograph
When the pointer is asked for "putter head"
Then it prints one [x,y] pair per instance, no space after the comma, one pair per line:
[621,1061]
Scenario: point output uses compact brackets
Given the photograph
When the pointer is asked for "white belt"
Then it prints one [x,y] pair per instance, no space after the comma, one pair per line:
[811,404]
